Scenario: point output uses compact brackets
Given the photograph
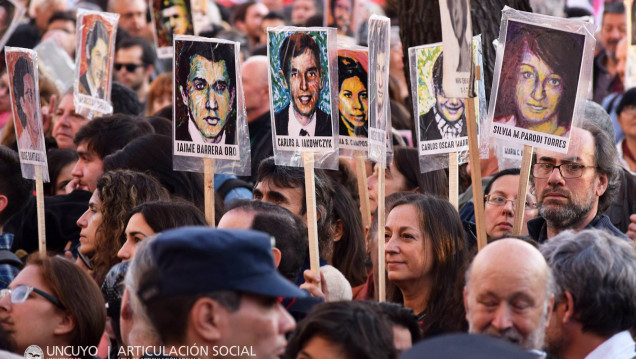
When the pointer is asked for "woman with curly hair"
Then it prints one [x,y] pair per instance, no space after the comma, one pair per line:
[103,223]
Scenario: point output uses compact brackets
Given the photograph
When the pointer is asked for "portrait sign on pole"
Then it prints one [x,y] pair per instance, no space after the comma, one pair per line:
[209,111]
[379,109]
[541,79]
[353,99]
[303,94]
[22,72]
[170,18]
[94,62]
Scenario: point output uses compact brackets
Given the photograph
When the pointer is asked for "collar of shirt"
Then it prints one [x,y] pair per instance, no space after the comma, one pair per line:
[197,137]
[6,241]
[294,127]
[446,128]
[619,346]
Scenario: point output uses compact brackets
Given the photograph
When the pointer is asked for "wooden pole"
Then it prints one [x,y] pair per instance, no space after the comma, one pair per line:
[473,151]
[39,193]
[208,164]
[526,163]
[312,218]
[453,178]
[363,190]
[381,220]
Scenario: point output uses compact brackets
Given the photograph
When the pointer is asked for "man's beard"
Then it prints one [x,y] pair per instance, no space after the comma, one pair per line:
[568,215]
[534,340]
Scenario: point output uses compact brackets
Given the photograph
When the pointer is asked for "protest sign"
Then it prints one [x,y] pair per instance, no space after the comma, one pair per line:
[541,82]
[170,18]
[94,62]
[341,15]
[457,32]
[210,127]
[22,70]
[11,14]
[303,95]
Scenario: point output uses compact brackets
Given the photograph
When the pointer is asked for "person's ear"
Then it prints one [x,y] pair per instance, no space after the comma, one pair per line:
[4,202]
[338,231]
[240,25]
[65,324]
[567,304]
[184,95]
[603,182]
[149,70]
[465,295]
[277,256]
[206,319]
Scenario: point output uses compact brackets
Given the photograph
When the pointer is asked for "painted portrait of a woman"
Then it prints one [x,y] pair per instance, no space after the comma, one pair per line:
[539,79]
[353,98]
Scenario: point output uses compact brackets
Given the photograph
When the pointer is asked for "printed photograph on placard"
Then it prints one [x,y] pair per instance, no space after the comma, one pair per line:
[95,78]
[442,119]
[300,88]
[341,15]
[94,62]
[456,35]
[538,85]
[205,98]
[353,98]
[379,102]
[170,17]
[10,16]
[25,95]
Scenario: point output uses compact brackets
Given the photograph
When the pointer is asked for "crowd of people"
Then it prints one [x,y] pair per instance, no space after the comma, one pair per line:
[134,270]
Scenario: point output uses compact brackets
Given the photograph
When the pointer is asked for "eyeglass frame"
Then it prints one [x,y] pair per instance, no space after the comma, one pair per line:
[583,167]
[45,295]
[513,201]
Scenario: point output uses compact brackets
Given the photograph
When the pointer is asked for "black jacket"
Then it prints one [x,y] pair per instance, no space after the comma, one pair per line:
[323,122]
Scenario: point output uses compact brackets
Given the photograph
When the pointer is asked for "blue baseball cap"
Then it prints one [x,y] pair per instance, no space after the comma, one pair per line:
[194,260]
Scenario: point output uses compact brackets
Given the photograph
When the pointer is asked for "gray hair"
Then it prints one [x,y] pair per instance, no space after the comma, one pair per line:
[599,270]
[596,113]
[606,159]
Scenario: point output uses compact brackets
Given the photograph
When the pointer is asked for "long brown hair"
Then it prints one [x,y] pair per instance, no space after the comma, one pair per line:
[445,310]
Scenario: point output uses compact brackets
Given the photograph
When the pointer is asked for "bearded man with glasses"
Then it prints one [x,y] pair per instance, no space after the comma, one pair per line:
[574,189]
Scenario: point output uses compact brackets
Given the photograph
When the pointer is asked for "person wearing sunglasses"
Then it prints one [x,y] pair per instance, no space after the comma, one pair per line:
[134,65]
[574,189]
[500,199]
[52,302]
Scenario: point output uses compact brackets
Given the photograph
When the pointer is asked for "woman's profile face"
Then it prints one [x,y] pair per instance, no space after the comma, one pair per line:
[539,90]
[354,102]
[409,255]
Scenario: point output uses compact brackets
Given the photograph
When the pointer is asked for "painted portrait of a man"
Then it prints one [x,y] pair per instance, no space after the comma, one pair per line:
[25,94]
[302,75]
[95,81]
[539,79]
[172,17]
[341,16]
[206,85]
[446,118]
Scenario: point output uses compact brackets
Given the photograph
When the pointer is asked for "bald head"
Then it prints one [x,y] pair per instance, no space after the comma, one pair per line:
[255,86]
[508,293]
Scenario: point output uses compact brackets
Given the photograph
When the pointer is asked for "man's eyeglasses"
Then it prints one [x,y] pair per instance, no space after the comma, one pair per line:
[567,170]
[21,293]
[128,67]
[500,201]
